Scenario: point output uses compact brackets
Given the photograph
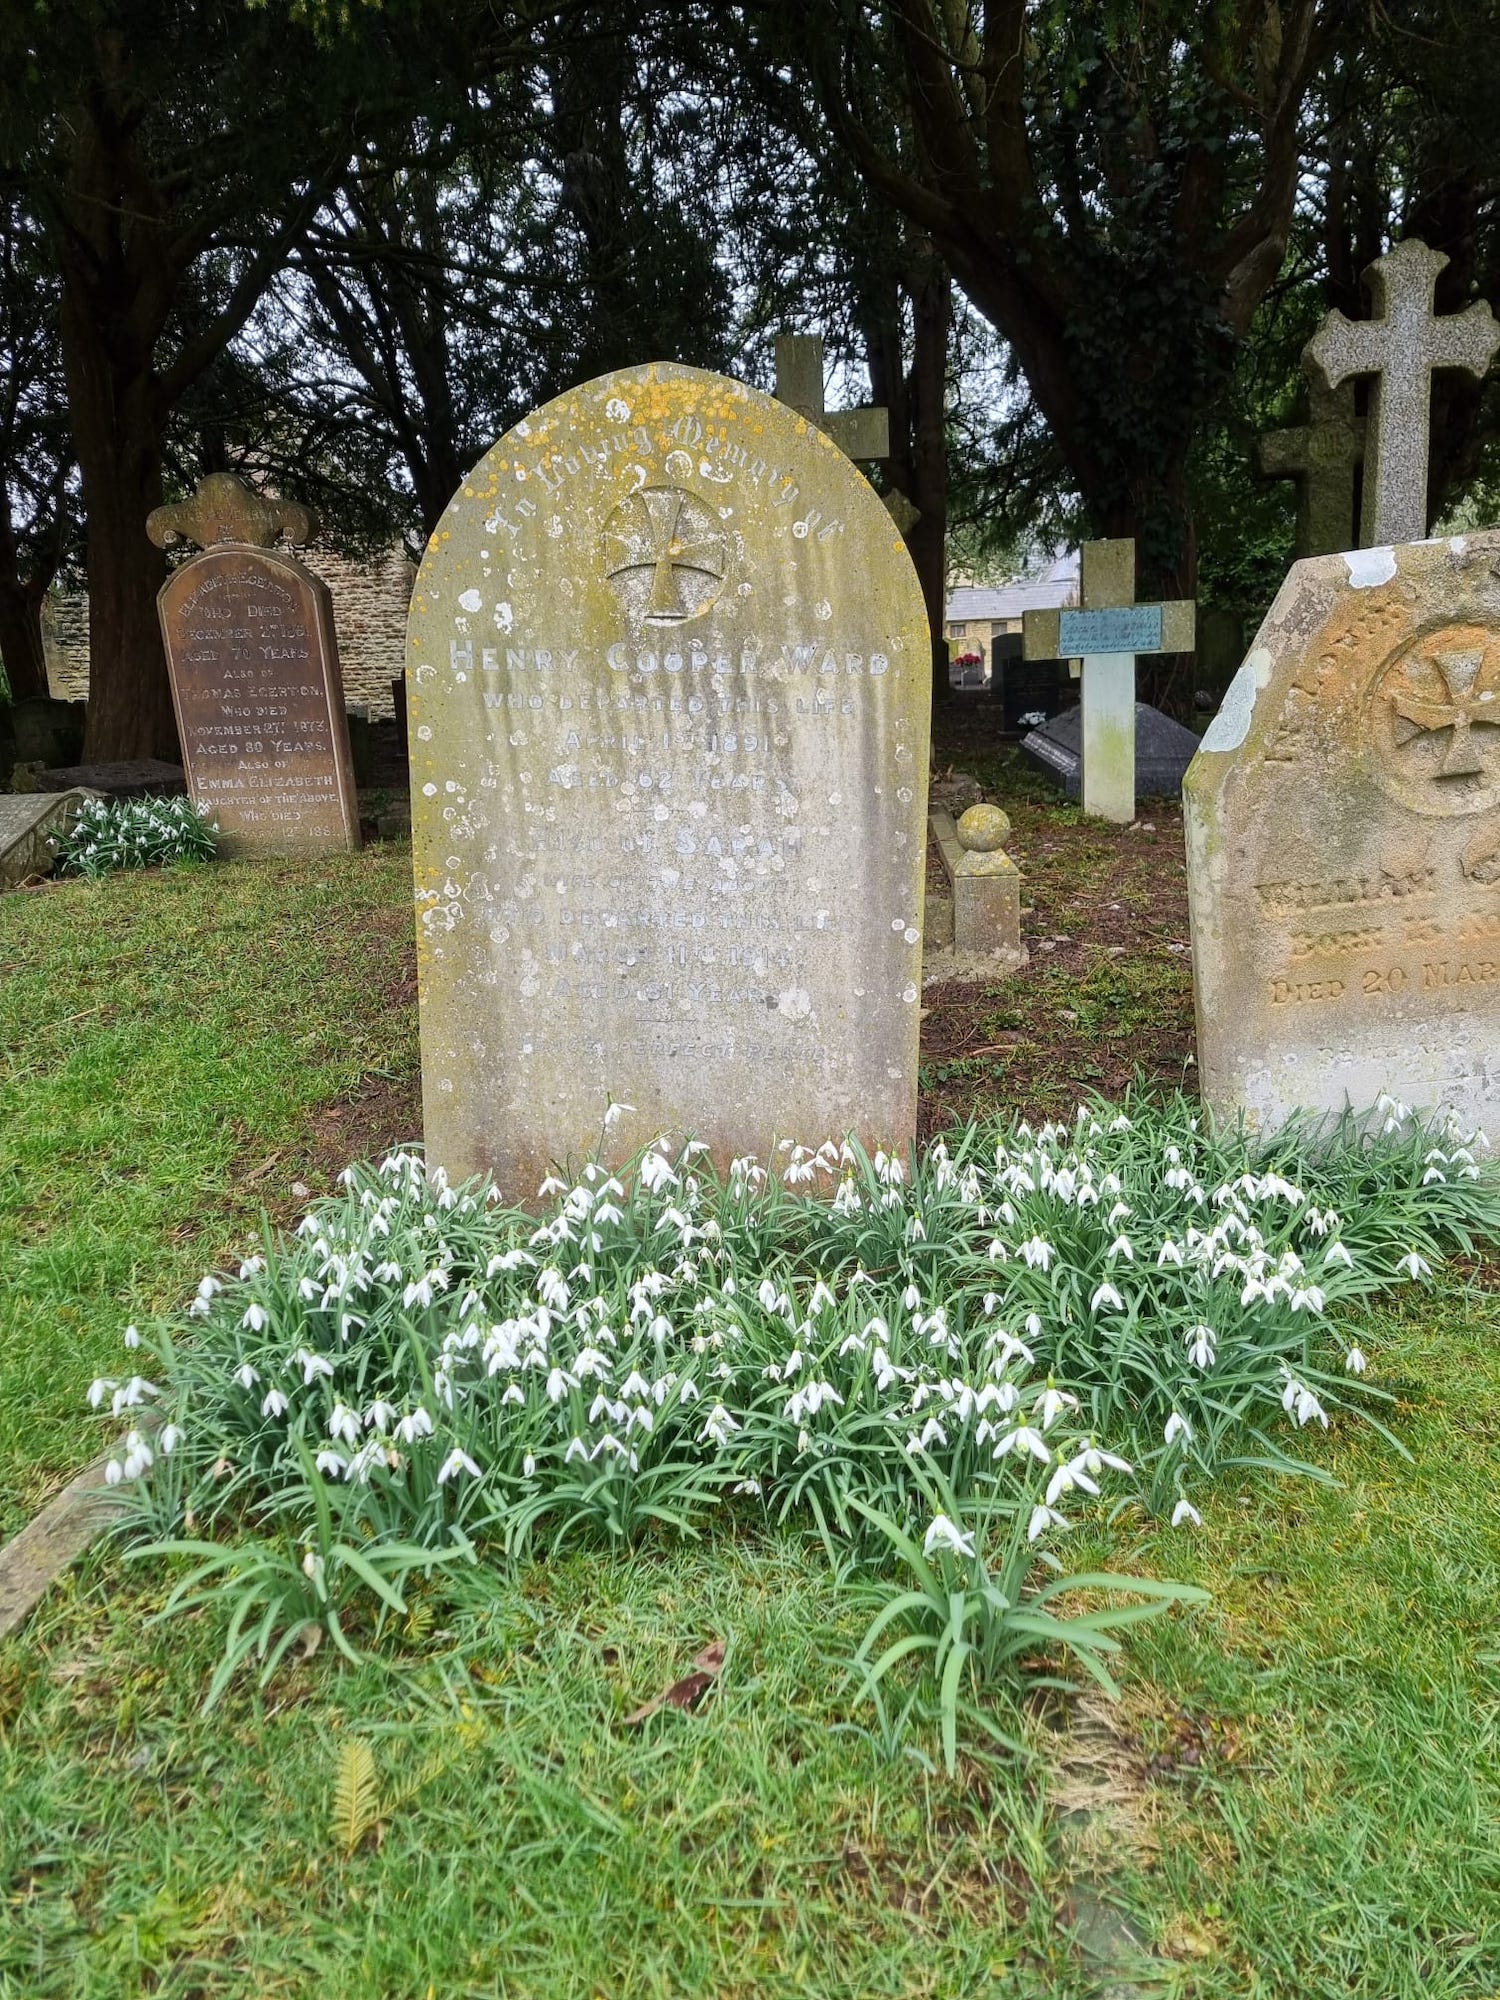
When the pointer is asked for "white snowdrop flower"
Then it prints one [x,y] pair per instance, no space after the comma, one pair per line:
[528,1465]
[639,1419]
[1186,1511]
[576,1449]
[876,1329]
[1093,1457]
[1200,1341]
[114,1472]
[559,1382]
[207,1287]
[379,1416]
[821,1297]
[748,1486]
[331,1463]
[1069,1478]
[719,1426]
[1121,1212]
[308,1288]
[132,1336]
[1177,1426]
[99,1389]
[170,1438]
[416,1425]
[257,1319]
[998,1254]
[1414,1266]
[1024,1438]
[1050,1405]
[1038,1253]
[1043,1518]
[311,1365]
[246,1376]
[1337,1254]
[1121,1247]
[1306,1298]
[344,1425]
[1169,1253]
[767,1294]
[932,1433]
[273,1404]
[942,1534]
[457,1461]
[911,1298]
[854,1343]
[138,1456]
[792,1363]
[1105,1295]
[1355,1361]
[1121,1124]
[1299,1401]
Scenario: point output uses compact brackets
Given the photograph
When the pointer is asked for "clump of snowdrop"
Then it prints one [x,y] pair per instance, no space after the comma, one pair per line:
[134,833]
[1089,1316]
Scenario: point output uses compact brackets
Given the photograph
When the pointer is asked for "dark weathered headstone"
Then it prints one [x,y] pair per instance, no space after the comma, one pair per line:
[255,677]
[1163,751]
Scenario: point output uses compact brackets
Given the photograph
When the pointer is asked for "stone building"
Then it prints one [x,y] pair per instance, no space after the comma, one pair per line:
[369,611]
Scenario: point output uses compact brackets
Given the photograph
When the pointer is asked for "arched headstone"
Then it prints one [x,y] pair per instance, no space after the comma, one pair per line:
[668,693]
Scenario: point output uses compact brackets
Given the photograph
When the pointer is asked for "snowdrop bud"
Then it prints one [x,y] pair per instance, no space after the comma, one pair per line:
[114,1472]
[132,1336]
[1355,1362]
[1177,1426]
[1186,1511]
[911,1298]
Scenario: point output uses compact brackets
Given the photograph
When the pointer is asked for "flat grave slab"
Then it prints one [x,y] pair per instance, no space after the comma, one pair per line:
[26,821]
[141,778]
[1163,751]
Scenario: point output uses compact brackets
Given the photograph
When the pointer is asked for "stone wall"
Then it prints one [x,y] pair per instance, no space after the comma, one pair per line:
[369,615]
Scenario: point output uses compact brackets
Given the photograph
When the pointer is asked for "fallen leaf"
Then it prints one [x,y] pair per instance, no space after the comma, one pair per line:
[688,1692]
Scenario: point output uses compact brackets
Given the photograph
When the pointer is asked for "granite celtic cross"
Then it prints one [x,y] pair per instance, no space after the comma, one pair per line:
[1400,347]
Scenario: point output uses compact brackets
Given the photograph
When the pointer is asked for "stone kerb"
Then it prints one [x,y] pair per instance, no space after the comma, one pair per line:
[1343,833]
[668,689]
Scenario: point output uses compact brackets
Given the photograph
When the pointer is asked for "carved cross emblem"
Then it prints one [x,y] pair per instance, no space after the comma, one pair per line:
[665,554]
[1437,722]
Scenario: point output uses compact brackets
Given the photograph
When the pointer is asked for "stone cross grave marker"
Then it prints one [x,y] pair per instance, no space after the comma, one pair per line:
[1322,455]
[1343,835]
[1400,347]
[668,692]
[1107,633]
[254,667]
[860,434]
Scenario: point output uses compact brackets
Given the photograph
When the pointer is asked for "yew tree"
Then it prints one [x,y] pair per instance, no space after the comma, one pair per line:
[1112,186]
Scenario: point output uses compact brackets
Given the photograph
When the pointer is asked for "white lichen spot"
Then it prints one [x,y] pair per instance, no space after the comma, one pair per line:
[471,600]
[1369,567]
[795,1004]
[911,934]
[617,410]
[429,791]
[424,733]
[909,994]
[823,609]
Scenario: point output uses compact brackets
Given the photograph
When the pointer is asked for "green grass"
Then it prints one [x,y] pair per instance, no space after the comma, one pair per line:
[1311,1766]
[161,1035]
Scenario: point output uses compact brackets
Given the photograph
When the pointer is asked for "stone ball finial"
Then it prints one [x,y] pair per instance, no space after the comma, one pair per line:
[225,509]
[984,829]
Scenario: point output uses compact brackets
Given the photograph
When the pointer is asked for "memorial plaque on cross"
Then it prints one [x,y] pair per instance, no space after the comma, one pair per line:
[1400,347]
[1106,634]
[1322,455]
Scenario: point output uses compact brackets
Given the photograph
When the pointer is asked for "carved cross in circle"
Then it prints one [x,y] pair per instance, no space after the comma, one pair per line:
[666,555]
[1467,707]
[1434,722]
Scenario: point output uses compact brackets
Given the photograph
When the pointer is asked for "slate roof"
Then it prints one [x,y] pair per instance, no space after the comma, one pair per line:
[979,604]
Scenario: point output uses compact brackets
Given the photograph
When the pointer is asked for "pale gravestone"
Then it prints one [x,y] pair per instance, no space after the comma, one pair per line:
[1400,348]
[254,667]
[1343,830]
[1323,456]
[1107,634]
[669,701]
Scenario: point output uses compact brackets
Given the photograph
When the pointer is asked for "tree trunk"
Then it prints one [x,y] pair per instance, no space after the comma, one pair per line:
[117,435]
[21,651]
[932,308]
